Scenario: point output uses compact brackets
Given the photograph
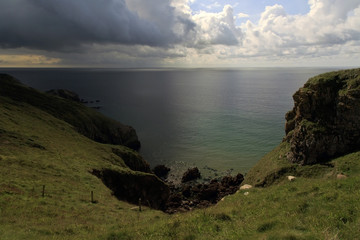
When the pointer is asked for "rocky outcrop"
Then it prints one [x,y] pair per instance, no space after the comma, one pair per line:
[86,121]
[325,120]
[191,174]
[196,195]
[135,187]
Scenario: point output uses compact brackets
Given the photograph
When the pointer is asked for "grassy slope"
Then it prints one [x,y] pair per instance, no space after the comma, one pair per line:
[37,149]
[87,121]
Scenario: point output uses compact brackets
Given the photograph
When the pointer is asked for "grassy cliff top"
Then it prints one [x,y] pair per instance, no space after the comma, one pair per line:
[39,149]
[347,79]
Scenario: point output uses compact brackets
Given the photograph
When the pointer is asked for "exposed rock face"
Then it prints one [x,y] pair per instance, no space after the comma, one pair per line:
[325,120]
[131,187]
[65,94]
[191,174]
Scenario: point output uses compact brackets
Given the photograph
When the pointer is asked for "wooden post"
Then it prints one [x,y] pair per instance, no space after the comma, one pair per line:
[92,196]
[43,191]
[139,204]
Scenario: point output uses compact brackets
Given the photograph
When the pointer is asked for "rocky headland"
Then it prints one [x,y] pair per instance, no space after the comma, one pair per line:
[64,105]
[325,120]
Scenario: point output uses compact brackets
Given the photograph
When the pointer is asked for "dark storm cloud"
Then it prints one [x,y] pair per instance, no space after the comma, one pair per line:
[66,25]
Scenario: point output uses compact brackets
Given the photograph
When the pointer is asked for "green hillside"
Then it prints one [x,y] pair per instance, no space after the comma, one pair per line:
[38,148]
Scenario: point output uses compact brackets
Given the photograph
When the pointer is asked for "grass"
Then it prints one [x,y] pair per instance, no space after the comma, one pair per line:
[85,120]
[38,149]
[335,78]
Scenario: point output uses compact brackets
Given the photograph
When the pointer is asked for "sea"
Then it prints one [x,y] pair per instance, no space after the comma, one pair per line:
[222,121]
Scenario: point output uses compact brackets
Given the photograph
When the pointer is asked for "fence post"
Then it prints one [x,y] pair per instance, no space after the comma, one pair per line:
[92,196]
[43,191]
[139,204]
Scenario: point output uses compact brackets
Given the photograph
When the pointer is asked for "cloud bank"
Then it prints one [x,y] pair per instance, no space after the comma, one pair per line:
[167,32]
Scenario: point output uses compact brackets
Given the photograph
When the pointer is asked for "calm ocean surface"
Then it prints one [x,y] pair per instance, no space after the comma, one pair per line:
[210,118]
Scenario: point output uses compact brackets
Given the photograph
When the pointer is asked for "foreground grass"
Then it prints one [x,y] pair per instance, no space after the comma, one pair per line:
[38,149]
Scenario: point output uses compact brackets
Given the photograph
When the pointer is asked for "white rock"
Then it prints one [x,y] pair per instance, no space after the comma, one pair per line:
[246,186]
[246,193]
[291,178]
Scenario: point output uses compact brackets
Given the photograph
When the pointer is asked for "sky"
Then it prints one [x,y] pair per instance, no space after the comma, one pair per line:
[179,33]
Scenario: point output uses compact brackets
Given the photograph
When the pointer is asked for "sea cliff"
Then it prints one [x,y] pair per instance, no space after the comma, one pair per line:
[325,120]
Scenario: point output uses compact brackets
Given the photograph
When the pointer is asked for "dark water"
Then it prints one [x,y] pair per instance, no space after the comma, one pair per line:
[210,118]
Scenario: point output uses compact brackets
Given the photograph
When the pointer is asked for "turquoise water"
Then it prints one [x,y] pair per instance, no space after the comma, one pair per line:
[211,118]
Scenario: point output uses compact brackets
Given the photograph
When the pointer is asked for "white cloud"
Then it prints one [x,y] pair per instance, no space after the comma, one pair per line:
[242,15]
[325,31]
[216,28]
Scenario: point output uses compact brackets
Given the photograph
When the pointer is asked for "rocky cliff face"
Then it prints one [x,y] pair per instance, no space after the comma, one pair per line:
[325,120]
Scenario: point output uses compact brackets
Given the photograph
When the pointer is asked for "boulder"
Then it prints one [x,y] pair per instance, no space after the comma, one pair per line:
[191,174]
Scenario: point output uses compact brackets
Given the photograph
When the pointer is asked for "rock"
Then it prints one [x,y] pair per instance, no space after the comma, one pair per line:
[245,186]
[324,122]
[228,181]
[186,192]
[291,178]
[210,192]
[341,176]
[130,187]
[246,193]
[191,174]
[174,201]
[63,93]
[161,171]
[192,195]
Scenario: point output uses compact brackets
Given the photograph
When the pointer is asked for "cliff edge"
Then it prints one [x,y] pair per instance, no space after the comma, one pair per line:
[324,124]
[325,120]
